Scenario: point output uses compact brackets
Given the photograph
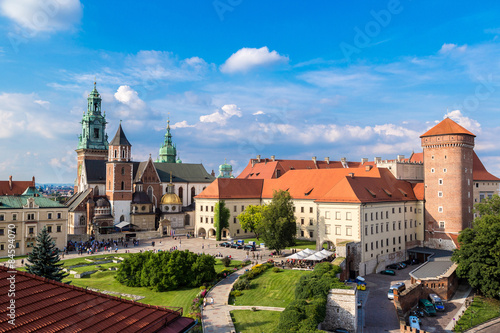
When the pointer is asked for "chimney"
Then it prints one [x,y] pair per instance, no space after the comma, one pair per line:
[273,158]
[364,160]
[327,160]
[213,173]
[368,168]
[258,158]
[314,159]
[401,157]
[343,159]
[33,180]
[351,174]
[378,160]
[10,182]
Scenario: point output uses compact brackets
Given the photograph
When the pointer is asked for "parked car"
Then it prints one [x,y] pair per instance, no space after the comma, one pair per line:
[437,302]
[236,246]
[388,272]
[392,266]
[427,307]
[249,247]
[401,265]
[399,286]
[414,322]
[225,244]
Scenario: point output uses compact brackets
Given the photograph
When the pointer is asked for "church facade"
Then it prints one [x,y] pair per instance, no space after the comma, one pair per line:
[114,193]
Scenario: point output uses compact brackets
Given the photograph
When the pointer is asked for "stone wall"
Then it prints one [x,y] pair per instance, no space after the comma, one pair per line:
[409,297]
[341,310]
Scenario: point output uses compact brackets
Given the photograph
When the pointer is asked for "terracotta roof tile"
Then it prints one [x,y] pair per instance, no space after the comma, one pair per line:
[232,188]
[447,126]
[479,172]
[18,187]
[419,189]
[50,306]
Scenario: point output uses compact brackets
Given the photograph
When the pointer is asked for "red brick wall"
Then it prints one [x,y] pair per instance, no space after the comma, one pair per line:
[455,154]
[114,178]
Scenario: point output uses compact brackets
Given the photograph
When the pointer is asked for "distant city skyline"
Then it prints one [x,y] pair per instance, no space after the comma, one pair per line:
[244,78]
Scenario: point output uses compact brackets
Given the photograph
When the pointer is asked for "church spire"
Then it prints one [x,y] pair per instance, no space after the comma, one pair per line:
[168,151]
[93,124]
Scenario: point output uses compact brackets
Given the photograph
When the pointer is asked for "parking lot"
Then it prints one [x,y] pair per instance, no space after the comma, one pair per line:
[378,313]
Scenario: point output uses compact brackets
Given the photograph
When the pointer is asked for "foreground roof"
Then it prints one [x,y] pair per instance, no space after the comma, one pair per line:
[479,172]
[13,187]
[50,306]
[447,126]
[18,201]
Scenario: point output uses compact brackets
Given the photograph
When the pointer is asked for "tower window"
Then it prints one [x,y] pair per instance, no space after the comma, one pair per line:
[123,186]
[441,224]
[123,153]
[96,133]
[440,209]
[440,181]
[444,170]
[123,171]
[115,153]
[432,170]
[440,194]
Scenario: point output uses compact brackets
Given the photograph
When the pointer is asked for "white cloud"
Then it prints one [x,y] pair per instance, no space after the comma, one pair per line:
[36,15]
[258,113]
[130,97]
[469,123]
[181,124]
[228,111]
[447,48]
[246,59]
[44,104]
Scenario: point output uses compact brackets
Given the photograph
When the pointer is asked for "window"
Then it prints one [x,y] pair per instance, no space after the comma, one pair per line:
[400,210]
[31,230]
[387,227]
[411,223]
[294,209]
[387,241]
[2,232]
[371,216]
[411,209]
[201,219]
[465,170]
[432,157]
[328,229]
[49,228]
[406,224]
[2,217]
[366,231]
[399,225]
[58,228]
[237,231]
[58,216]
[376,229]
[14,217]
[371,229]
[301,209]
[310,209]
[376,244]
[211,208]
[301,233]
[440,194]
[311,234]
[440,181]
[123,153]
[123,171]
[348,231]
[311,221]
[440,209]
[393,210]
[366,216]
[432,170]
[123,186]
[399,239]
[206,220]
[441,224]
[393,225]
[327,214]
[444,170]
[2,247]
[386,214]
[376,215]
[411,237]
[337,230]
[31,216]
[235,209]
[302,221]
[212,220]
[366,247]
[242,208]
[234,220]
[348,216]
[371,245]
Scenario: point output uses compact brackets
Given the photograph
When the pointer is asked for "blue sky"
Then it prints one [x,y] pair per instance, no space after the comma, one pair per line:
[239,78]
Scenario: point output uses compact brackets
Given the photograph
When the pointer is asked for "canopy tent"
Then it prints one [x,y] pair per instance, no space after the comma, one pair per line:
[309,251]
[298,255]
[316,257]
[122,225]
[326,252]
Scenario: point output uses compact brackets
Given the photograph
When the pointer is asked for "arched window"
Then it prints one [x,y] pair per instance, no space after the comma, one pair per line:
[123,185]
[96,190]
[123,153]
[115,153]
[192,194]
[123,170]
[150,193]
[122,218]
[181,193]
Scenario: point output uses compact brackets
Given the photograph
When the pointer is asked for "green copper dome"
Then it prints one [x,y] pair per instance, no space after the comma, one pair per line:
[93,124]
[168,152]
[225,170]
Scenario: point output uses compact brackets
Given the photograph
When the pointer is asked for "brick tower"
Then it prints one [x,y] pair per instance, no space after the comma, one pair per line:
[93,142]
[448,159]
[119,173]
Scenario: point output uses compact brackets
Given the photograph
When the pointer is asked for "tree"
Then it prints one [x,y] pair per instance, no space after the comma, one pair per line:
[221,217]
[251,218]
[478,255]
[278,228]
[45,257]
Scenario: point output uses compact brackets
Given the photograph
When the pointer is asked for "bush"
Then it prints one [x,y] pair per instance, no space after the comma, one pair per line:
[246,263]
[276,270]
[236,293]
[242,284]
[226,261]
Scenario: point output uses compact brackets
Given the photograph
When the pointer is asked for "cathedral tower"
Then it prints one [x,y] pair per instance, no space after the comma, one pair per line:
[168,152]
[119,176]
[448,159]
[93,141]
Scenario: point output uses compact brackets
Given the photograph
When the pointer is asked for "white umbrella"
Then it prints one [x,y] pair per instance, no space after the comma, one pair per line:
[316,257]
[325,251]
[308,251]
[298,255]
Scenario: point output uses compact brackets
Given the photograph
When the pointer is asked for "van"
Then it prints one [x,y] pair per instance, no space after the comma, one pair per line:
[437,302]
[427,307]
[400,288]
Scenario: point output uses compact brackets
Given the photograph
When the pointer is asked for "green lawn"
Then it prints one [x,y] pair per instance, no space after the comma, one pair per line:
[482,309]
[248,321]
[271,289]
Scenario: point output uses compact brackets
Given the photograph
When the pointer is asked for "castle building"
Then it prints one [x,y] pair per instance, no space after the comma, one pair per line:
[113,191]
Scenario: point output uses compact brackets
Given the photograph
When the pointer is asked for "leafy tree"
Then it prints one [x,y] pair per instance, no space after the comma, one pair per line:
[45,257]
[221,217]
[478,256]
[251,218]
[278,228]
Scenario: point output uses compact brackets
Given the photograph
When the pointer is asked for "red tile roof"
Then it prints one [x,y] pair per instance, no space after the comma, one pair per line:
[447,126]
[44,305]
[479,172]
[417,157]
[15,187]
[267,168]
[418,190]
[323,185]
